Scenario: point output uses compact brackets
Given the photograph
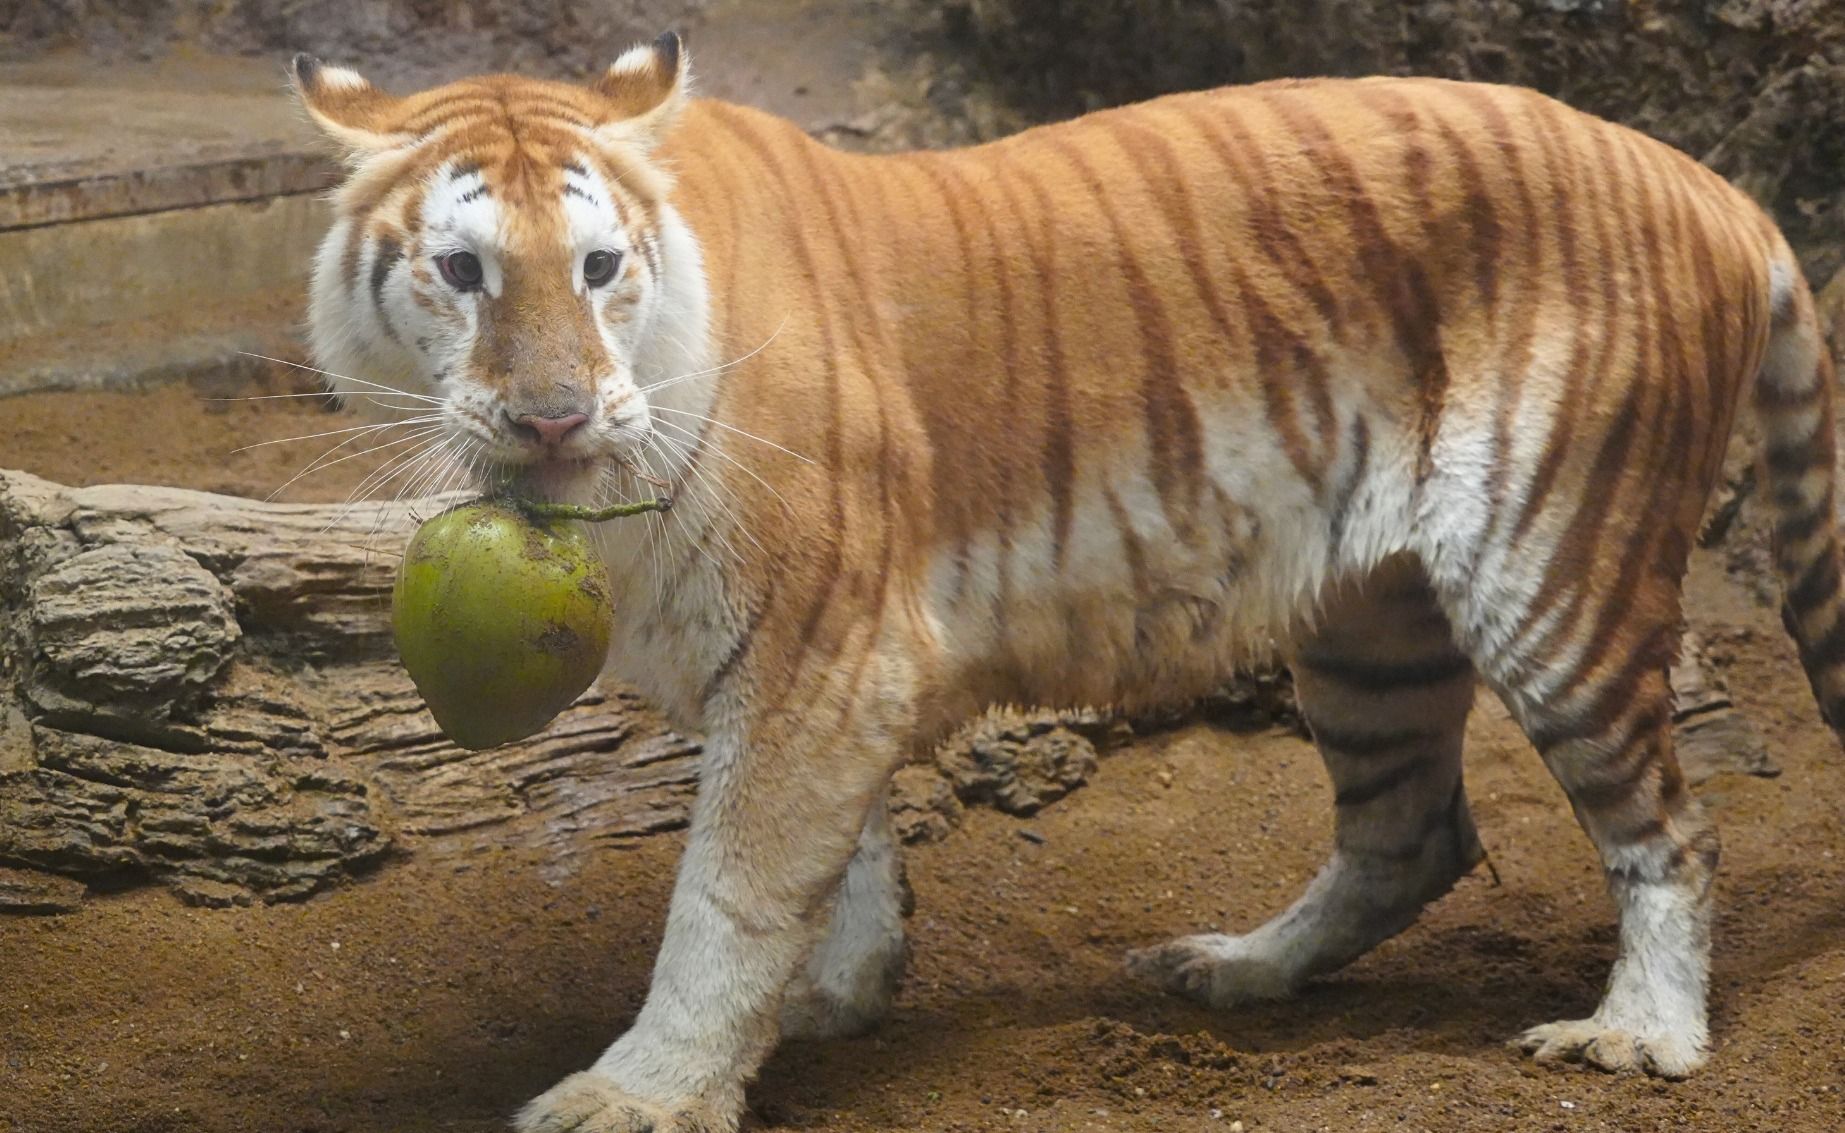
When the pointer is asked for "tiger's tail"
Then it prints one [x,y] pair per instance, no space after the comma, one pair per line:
[1794,401]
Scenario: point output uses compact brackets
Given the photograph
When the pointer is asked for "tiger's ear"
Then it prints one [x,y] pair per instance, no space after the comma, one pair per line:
[347,109]
[646,89]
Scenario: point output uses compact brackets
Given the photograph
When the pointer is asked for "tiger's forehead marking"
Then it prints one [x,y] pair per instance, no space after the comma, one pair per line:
[468,171]
[521,134]
[547,190]
[579,183]
[462,210]
[594,214]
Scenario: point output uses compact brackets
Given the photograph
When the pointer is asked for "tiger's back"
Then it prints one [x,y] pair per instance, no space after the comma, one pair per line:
[1427,383]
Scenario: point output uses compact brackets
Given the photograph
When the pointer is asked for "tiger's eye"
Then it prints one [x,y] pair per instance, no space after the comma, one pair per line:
[599,266]
[461,270]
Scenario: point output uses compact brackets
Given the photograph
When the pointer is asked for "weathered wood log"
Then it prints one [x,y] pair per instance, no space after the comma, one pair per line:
[201,689]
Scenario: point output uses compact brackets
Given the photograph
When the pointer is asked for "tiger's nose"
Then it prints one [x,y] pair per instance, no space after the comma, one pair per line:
[548,431]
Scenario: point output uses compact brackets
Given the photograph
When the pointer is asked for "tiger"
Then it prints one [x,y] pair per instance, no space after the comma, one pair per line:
[1423,384]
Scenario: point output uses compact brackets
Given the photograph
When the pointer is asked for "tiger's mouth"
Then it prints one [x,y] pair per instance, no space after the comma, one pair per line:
[550,460]
[593,480]
[556,479]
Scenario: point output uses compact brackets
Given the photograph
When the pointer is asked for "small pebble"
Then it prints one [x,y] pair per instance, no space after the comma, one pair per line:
[1032,836]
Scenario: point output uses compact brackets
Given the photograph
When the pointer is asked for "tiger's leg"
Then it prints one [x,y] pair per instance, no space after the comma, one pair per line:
[850,979]
[1586,679]
[1387,694]
[1611,748]
[783,797]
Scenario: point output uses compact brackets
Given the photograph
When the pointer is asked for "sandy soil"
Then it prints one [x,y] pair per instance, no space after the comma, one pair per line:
[442,992]
[213,440]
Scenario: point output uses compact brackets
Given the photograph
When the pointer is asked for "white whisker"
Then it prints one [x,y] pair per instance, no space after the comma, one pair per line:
[392,390]
[733,429]
[697,539]
[384,474]
[336,432]
[711,445]
[663,383]
[275,396]
[428,463]
[387,509]
[609,484]
[712,487]
[321,463]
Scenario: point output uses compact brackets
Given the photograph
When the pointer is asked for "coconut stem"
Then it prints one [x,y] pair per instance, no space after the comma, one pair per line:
[593,514]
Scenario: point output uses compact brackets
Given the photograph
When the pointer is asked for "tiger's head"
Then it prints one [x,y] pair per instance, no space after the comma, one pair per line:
[504,269]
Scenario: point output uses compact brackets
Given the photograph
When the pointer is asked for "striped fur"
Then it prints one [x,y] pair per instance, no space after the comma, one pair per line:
[1425,382]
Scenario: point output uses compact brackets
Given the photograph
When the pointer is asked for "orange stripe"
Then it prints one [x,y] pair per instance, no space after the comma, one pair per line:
[1175,438]
[1057,461]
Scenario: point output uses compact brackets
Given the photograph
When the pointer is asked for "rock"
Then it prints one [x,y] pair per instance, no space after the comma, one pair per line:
[29,891]
[197,690]
[1262,698]
[604,770]
[1021,763]
[209,894]
[1014,761]
[923,807]
[98,807]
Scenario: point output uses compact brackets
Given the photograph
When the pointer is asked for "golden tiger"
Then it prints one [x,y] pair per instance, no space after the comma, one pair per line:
[1427,381]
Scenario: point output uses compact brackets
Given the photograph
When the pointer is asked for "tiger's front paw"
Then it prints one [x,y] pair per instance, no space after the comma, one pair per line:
[591,1103]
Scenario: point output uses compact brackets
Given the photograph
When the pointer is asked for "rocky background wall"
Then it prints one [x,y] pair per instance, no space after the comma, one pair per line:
[1754,88]
[416,36]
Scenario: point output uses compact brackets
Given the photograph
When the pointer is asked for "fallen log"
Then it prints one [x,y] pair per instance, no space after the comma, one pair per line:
[201,689]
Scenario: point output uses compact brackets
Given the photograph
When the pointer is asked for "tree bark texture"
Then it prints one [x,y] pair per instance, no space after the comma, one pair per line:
[202,689]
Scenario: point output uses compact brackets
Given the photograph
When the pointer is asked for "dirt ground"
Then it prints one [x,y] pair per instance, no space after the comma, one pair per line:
[443,991]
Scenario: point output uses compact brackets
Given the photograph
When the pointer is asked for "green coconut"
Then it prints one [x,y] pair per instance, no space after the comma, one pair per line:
[502,617]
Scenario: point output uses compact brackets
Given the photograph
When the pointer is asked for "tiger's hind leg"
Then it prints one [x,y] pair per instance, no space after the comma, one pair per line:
[1596,704]
[1660,855]
[1386,693]
[851,976]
